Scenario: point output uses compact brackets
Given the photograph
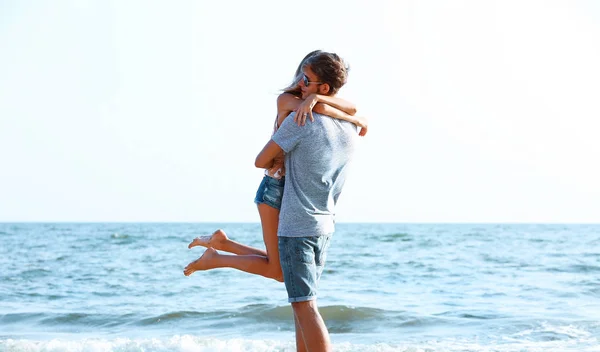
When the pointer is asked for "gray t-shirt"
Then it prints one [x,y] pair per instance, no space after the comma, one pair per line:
[316,163]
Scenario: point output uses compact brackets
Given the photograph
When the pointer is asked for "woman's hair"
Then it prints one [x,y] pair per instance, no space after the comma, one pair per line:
[294,87]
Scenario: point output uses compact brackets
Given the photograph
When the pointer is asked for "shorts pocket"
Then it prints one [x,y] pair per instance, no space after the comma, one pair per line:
[323,246]
[305,251]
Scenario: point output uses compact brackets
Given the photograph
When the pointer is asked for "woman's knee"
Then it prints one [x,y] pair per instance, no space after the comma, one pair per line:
[274,272]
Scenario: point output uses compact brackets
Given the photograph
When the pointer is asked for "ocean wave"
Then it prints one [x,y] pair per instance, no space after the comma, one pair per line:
[472,315]
[341,318]
[35,272]
[62,319]
[268,313]
[176,316]
[576,268]
[393,237]
[122,238]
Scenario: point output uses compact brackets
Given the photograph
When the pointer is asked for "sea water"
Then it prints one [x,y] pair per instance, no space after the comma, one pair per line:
[386,287]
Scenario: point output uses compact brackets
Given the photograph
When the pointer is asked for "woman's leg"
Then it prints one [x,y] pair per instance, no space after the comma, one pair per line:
[265,265]
[219,241]
[269,219]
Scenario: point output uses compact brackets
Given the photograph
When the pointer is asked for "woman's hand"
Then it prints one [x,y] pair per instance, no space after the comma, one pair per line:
[304,110]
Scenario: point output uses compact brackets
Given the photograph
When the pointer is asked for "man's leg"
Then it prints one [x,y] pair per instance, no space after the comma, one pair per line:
[312,327]
[300,345]
[302,261]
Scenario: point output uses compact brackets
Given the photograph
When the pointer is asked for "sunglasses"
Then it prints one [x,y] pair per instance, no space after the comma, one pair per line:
[307,82]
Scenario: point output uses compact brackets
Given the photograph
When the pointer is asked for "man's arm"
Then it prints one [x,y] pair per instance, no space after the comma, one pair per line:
[265,158]
[338,103]
[330,111]
[305,108]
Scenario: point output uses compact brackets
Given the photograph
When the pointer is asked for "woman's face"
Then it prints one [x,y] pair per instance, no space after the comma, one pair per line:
[310,83]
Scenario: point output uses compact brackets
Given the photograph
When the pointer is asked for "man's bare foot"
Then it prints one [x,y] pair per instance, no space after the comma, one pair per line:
[214,241]
[202,263]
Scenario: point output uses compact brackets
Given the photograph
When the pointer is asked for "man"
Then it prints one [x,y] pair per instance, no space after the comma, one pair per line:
[316,160]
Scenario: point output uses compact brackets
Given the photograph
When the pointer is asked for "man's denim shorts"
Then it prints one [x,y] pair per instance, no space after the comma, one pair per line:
[270,192]
[302,262]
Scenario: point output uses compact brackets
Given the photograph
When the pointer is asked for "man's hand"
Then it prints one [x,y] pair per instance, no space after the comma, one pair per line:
[363,124]
[304,110]
[363,131]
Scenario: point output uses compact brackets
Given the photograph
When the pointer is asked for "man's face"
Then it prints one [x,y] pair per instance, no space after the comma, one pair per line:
[313,83]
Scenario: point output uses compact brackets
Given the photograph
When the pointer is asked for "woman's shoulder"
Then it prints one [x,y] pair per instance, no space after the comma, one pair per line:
[287,96]
[287,101]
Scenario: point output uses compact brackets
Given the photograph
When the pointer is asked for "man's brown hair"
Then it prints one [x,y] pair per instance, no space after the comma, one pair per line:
[330,69]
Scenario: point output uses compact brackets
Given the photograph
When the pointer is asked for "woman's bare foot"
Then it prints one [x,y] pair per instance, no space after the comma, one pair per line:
[202,263]
[214,241]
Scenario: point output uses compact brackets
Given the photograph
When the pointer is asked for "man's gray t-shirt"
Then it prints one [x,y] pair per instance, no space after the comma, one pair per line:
[316,163]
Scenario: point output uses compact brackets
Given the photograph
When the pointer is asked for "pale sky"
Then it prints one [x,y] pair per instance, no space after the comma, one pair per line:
[480,111]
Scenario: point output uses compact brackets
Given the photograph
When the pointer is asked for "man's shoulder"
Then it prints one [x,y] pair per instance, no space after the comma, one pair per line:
[323,119]
[329,122]
[288,123]
[327,117]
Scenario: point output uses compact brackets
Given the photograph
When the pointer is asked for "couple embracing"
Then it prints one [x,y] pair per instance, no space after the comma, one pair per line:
[306,163]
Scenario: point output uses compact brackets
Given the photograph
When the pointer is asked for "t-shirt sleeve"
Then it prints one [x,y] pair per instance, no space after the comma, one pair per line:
[289,134]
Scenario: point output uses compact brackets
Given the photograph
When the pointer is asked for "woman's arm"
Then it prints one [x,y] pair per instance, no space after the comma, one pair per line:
[286,103]
[267,155]
[328,110]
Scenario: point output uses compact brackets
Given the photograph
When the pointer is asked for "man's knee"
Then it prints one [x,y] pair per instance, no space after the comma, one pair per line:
[305,307]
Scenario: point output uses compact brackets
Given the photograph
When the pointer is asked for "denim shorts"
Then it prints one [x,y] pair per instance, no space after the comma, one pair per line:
[302,262]
[270,192]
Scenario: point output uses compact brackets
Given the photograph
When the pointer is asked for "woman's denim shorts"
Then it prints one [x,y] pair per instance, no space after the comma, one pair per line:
[270,192]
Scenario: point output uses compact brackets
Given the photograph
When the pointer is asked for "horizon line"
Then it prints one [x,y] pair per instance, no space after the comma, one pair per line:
[337,223]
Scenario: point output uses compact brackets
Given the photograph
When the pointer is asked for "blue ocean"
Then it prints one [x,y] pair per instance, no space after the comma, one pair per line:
[386,287]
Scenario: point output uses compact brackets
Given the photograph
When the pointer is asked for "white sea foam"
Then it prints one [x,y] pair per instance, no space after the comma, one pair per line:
[185,343]
[569,331]
[188,343]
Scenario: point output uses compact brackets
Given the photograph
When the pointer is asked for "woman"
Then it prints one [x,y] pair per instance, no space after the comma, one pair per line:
[270,192]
